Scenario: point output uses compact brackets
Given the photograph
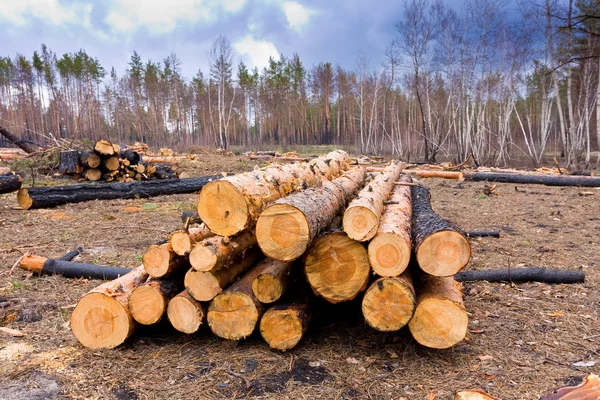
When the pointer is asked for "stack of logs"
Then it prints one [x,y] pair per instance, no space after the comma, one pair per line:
[109,162]
[271,240]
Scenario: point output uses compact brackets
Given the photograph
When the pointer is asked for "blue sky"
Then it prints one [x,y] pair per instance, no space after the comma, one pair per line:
[330,30]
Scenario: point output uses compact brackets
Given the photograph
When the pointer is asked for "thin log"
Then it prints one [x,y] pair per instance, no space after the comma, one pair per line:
[45,197]
[182,242]
[160,260]
[435,174]
[148,302]
[216,251]
[286,228]
[539,179]
[185,313]
[271,283]
[543,275]
[484,233]
[101,319]
[69,269]
[26,145]
[283,325]
[9,182]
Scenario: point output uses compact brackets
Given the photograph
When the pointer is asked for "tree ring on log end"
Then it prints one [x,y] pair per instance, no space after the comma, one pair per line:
[147,305]
[202,286]
[360,223]
[100,321]
[267,288]
[443,253]
[281,329]
[389,254]
[223,208]
[24,199]
[439,323]
[181,243]
[388,304]
[232,315]
[156,260]
[185,316]
[202,258]
[282,232]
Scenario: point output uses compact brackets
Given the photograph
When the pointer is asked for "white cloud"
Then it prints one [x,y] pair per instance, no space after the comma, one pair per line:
[51,11]
[297,15]
[256,52]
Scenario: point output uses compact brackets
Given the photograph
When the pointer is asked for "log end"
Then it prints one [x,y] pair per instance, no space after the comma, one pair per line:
[156,260]
[281,329]
[185,314]
[282,232]
[439,323]
[232,315]
[443,253]
[202,258]
[181,243]
[388,304]
[93,174]
[94,160]
[101,322]
[24,199]
[267,288]
[32,263]
[147,305]
[360,223]
[104,147]
[223,208]
[202,286]
[389,254]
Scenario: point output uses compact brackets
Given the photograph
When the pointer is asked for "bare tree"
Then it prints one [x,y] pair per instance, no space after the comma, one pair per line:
[221,63]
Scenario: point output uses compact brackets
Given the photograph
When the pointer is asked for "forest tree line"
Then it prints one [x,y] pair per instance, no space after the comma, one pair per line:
[484,81]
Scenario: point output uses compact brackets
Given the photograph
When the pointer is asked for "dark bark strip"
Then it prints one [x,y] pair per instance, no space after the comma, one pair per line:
[523,275]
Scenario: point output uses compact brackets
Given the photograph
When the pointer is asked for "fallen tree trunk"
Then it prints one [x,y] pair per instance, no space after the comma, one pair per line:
[484,233]
[185,313]
[69,269]
[441,248]
[539,179]
[434,174]
[390,250]
[232,204]
[271,283]
[523,275]
[286,228]
[26,145]
[182,242]
[45,197]
[389,303]
[148,302]
[101,319]
[283,325]
[9,182]
[337,267]
[216,251]
[440,319]
[361,218]
[160,260]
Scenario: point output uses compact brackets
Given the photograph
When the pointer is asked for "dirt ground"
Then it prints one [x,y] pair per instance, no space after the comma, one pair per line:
[524,340]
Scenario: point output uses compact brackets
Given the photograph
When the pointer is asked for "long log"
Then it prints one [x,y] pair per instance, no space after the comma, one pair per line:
[441,248]
[361,218]
[182,242]
[440,319]
[234,203]
[286,228]
[45,197]
[539,179]
[101,319]
[148,302]
[216,251]
[69,269]
[160,260]
[390,250]
[337,267]
[9,182]
[389,303]
[271,283]
[283,325]
[484,233]
[185,313]
[435,174]
[26,145]
[543,275]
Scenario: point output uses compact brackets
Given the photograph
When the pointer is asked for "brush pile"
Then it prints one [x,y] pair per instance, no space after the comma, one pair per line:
[272,239]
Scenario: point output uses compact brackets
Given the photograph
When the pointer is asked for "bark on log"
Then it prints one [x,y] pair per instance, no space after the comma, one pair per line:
[234,203]
[440,320]
[148,302]
[523,275]
[27,146]
[337,267]
[441,248]
[90,159]
[435,174]
[182,242]
[271,283]
[389,303]
[132,156]
[361,218]
[539,179]
[104,147]
[216,251]
[484,233]
[286,228]
[205,285]
[283,325]
[234,313]
[45,197]
[69,269]
[390,250]
[589,389]
[9,182]
[185,313]
[475,394]
[161,260]
[69,162]
[101,319]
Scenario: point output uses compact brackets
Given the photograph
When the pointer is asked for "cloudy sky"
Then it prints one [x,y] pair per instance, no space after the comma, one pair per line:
[330,30]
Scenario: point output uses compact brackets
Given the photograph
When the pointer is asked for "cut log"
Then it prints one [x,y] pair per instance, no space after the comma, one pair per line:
[441,248]
[69,162]
[101,319]
[92,174]
[160,260]
[90,159]
[45,197]
[9,182]
[271,283]
[523,275]
[68,269]
[435,174]
[474,394]
[111,163]
[27,146]
[234,203]
[205,285]
[540,179]
[182,242]
[389,303]
[132,156]
[104,147]
[148,302]
[361,218]
[440,320]
[218,250]
[185,313]
[390,249]
[286,228]
[589,389]
[337,267]
[234,313]
[484,233]
[283,325]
